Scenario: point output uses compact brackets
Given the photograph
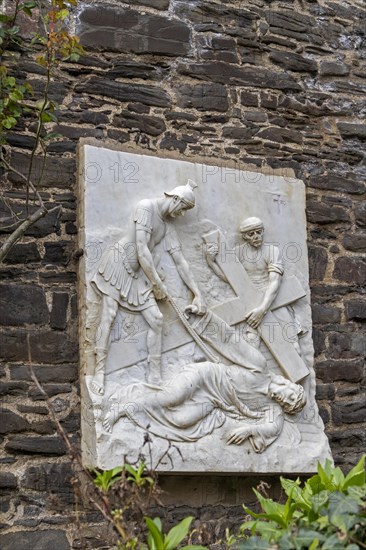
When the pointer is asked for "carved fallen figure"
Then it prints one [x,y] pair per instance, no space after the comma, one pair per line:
[127,277]
[202,396]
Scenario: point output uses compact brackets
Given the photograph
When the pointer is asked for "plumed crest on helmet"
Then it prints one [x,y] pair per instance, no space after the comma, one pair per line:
[185,193]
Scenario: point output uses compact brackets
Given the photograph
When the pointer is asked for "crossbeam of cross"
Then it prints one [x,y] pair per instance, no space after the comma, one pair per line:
[272,330]
[231,312]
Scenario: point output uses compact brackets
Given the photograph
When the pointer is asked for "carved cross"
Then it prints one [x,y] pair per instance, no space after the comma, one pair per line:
[231,312]
[272,331]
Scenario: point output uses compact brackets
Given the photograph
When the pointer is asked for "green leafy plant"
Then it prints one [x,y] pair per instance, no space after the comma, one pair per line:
[105,479]
[327,513]
[49,47]
[138,475]
[158,541]
[127,493]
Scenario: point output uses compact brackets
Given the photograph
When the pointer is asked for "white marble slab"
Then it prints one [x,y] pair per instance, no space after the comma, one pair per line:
[196,408]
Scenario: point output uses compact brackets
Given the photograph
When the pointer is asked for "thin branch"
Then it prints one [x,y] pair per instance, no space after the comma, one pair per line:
[74,453]
[39,126]
[19,232]
[23,177]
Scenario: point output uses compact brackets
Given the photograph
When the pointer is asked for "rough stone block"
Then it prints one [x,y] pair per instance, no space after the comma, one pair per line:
[26,253]
[360,214]
[349,412]
[8,480]
[293,61]
[22,304]
[280,135]
[58,277]
[13,388]
[350,438]
[44,445]
[57,253]
[50,223]
[39,540]
[47,346]
[170,142]
[319,341]
[331,182]
[323,211]
[50,389]
[60,301]
[345,345]
[147,95]
[350,270]
[213,15]
[12,422]
[318,260]
[20,140]
[150,125]
[225,73]
[325,391]
[132,69]
[351,130]
[249,99]
[125,30]
[157,4]
[355,242]
[325,314]
[58,172]
[332,370]
[334,68]
[294,25]
[45,373]
[356,310]
[234,132]
[48,477]
[204,97]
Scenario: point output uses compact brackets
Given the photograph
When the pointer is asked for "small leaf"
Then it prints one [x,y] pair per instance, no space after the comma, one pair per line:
[13,30]
[178,533]
[155,533]
[9,122]
[357,475]
[26,10]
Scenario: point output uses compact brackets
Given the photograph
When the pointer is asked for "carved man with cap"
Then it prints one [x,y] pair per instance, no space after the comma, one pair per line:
[128,278]
[264,265]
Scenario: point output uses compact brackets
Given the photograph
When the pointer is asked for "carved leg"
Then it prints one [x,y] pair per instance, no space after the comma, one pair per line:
[113,414]
[97,385]
[154,374]
[154,318]
[108,315]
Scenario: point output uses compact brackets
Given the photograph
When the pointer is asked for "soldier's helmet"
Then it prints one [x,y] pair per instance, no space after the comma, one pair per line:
[185,193]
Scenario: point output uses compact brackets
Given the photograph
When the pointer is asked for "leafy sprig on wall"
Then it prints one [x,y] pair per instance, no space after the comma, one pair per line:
[49,45]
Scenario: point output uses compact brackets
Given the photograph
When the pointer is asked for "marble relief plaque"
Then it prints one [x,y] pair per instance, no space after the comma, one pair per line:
[195,323]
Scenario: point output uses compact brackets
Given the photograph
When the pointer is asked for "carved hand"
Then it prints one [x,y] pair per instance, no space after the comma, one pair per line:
[239,435]
[198,306]
[254,317]
[212,250]
[160,291]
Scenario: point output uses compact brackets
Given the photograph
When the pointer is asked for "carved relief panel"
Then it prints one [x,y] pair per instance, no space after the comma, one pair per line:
[195,324]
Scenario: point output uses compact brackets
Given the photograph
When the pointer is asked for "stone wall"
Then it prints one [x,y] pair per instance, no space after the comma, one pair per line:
[276,85]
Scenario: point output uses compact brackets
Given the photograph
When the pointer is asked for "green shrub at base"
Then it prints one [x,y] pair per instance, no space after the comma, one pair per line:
[327,513]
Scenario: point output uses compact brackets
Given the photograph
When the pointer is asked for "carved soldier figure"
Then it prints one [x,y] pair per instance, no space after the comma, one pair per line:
[128,277]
